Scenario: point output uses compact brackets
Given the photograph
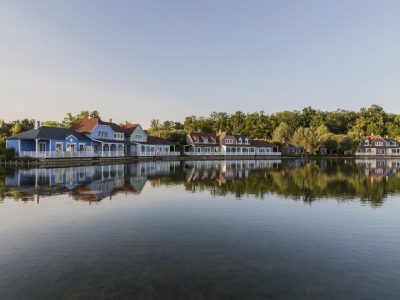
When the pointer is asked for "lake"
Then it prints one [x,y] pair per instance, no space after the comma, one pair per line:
[252,229]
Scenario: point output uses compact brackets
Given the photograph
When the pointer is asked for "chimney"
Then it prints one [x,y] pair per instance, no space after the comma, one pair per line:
[37,124]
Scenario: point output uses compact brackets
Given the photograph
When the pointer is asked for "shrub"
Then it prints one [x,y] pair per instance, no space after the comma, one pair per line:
[7,154]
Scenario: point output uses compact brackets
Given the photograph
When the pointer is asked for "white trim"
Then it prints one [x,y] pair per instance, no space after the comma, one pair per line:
[72,136]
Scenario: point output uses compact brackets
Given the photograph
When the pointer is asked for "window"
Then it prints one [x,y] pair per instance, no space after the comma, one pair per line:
[240,140]
[70,147]
[247,141]
[378,144]
[58,147]
[82,147]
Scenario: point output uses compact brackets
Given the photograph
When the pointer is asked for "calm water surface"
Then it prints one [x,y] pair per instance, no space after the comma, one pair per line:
[202,230]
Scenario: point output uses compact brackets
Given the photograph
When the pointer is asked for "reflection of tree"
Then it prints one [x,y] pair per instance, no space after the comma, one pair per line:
[298,180]
[310,181]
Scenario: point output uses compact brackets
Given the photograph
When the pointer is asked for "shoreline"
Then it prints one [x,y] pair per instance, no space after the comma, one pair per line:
[66,162]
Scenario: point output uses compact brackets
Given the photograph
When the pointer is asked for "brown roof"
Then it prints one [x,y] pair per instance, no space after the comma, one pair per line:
[88,125]
[203,134]
[128,128]
[260,143]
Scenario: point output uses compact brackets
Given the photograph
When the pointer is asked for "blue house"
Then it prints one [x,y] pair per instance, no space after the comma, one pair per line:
[44,142]
[108,138]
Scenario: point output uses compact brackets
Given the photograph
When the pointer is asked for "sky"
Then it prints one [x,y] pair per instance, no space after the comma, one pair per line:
[139,60]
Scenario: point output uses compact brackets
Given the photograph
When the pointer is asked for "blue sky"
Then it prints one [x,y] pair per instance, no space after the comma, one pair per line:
[138,60]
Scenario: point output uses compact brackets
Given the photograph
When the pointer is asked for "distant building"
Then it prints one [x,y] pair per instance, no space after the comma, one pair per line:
[291,149]
[227,144]
[376,145]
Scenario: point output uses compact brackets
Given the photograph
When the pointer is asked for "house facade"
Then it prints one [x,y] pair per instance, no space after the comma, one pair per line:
[142,145]
[376,145]
[202,143]
[50,142]
[108,138]
[290,149]
[226,144]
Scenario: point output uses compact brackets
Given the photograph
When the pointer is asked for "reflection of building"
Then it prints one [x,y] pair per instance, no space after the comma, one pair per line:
[87,183]
[376,169]
[224,171]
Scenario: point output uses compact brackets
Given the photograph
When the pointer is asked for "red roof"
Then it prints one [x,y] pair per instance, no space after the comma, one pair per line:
[128,128]
[88,125]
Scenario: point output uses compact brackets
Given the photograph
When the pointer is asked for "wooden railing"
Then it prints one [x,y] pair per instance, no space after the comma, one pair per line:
[157,154]
[56,154]
[232,153]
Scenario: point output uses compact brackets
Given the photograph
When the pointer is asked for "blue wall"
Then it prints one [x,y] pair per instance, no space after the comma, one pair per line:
[30,145]
[106,128]
[68,141]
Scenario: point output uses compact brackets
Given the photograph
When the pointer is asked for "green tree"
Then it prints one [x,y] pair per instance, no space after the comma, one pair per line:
[281,134]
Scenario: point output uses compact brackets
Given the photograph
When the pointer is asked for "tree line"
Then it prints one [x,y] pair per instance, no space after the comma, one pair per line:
[309,128]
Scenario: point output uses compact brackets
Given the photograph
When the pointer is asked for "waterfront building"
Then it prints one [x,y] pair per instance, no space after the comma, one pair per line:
[108,138]
[50,142]
[140,144]
[376,145]
[226,144]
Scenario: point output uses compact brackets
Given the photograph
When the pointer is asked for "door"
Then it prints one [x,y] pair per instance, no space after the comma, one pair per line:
[42,146]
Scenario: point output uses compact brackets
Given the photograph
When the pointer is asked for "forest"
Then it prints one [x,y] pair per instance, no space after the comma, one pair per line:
[308,128]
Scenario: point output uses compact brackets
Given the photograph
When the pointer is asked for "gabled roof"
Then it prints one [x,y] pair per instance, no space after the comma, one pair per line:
[202,134]
[237,136]
[372,138]
[200,138]
[47,133]
[129,128]
[87,125]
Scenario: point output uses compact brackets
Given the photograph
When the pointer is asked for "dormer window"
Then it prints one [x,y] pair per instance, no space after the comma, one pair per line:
[240,140]
[247,141]
[366,143]
[205,140]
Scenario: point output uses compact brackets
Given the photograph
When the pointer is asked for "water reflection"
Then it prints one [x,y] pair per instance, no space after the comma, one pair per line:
[86,183]
[368,180]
